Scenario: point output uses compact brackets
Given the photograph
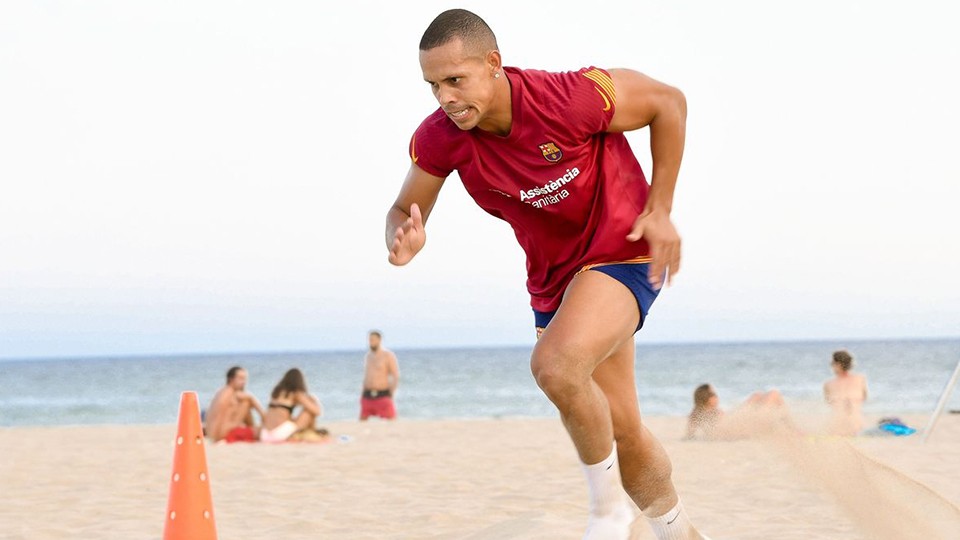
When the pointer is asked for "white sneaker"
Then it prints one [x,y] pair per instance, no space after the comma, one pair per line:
[612,526]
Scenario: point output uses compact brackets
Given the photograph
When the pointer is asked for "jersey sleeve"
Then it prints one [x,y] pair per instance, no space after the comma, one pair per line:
[592,100]
[428,149]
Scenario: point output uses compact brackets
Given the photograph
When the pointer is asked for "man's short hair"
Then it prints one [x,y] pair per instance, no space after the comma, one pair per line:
[843,359]
[459,24]
[232,372]
[376,333]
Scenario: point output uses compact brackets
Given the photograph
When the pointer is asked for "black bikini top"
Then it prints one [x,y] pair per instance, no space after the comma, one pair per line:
[281,406]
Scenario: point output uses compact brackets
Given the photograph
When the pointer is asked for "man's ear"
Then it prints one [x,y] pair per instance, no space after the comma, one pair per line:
[494,62]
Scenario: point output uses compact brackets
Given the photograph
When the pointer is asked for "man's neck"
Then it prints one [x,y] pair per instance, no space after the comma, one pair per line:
[499,120]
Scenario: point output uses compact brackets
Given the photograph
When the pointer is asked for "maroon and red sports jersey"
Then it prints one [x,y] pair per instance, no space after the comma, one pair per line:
[570,190]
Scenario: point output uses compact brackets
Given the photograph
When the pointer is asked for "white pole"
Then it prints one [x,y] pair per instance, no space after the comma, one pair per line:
[944,396]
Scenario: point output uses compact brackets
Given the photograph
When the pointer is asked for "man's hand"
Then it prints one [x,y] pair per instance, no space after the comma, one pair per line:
[408,239]
[656,228]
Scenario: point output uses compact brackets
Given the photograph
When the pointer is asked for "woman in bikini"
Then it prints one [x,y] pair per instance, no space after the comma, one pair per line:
[280,424]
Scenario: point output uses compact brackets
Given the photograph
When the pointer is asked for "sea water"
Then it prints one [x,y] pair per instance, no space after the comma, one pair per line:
[904,377]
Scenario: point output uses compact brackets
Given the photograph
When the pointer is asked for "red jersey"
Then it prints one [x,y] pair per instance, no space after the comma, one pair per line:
[570,190]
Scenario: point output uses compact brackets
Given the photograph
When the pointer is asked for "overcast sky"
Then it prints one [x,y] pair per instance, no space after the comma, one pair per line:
[213,176]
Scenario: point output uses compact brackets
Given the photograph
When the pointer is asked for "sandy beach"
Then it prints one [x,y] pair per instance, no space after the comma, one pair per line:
[473,479]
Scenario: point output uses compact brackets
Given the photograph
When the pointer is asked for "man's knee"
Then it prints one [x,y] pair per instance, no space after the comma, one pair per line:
[305,420]
[557,371]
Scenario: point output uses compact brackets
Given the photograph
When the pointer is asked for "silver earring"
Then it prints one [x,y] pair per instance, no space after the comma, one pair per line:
[496,75]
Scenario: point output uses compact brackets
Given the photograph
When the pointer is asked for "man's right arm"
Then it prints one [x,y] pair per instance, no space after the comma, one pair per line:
[405,235]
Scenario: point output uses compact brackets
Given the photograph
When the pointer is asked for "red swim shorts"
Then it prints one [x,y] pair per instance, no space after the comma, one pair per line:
[378,406]
[241,434]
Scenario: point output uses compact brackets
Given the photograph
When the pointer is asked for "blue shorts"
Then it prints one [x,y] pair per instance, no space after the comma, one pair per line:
[632,275]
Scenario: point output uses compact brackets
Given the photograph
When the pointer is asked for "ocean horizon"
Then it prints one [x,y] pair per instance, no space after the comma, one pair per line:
[906,376]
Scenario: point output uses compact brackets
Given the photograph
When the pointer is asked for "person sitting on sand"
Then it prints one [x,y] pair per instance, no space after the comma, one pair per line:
[707,420]
[230,415]
[280,424]
[845,393]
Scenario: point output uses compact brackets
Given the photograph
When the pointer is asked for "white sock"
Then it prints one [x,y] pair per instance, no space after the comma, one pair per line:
[610,511]
[674,525]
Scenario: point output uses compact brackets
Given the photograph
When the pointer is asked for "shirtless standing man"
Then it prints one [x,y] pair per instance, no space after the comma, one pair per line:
[845,393]
[546,153]
[230,415]
[381,376]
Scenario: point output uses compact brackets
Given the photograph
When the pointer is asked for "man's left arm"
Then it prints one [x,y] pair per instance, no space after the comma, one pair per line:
[641,102]
[255,404]
[394,374]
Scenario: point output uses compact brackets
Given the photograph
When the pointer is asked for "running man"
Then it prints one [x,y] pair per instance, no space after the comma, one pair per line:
[381,376]
[230,415]
[546,153]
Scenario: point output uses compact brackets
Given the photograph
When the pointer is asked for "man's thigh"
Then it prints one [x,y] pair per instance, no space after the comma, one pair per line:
[597,315]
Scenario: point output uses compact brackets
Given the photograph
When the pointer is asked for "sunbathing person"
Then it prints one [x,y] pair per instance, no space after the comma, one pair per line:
[707,421]
[845,393]
[280,424]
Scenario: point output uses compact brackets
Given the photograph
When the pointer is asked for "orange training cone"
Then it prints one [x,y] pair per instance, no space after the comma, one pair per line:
[190,506]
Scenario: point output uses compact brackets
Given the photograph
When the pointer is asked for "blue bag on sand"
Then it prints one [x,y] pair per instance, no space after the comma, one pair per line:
[895,426]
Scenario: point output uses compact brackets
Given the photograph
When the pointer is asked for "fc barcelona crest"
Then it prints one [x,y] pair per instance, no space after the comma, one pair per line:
[550,152]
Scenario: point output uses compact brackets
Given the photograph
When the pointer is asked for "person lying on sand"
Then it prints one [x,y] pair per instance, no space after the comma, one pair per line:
[707,421]
[280,424]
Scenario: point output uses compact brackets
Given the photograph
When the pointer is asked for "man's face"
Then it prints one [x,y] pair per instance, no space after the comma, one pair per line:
[462,82]
[239,381]
[374,342]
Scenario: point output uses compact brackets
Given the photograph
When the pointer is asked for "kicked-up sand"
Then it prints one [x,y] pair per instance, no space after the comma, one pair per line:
[475,479]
